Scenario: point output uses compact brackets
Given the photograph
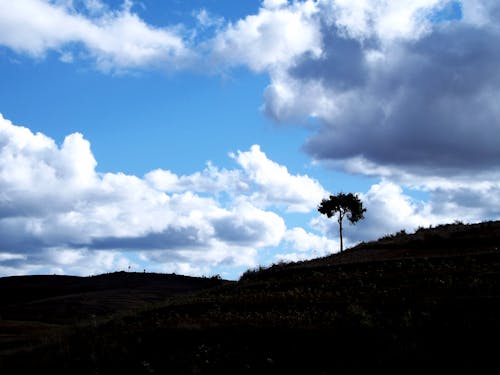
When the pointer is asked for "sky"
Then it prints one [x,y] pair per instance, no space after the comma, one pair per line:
[199,137]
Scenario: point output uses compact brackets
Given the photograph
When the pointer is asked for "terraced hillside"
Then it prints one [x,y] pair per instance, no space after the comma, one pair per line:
[428,301]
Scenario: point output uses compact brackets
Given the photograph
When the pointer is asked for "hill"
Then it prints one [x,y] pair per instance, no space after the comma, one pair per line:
[35,308]
[408,303]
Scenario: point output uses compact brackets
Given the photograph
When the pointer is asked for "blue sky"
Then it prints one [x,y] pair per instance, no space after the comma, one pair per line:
[198,137]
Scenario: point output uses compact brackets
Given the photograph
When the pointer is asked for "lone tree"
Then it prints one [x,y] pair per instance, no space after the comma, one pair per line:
[343,204]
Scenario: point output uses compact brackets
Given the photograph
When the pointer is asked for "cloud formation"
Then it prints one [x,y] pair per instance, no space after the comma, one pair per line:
[115,39]
[301,245]
[56,209]
[58,214]
[260,180]
[429,108]
[272,184]
[413,95]
[275,36]
[398,90]
[394,86]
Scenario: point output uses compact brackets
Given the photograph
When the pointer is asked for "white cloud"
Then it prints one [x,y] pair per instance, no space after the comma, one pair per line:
[7,256]
[210,180]
[303,241]
[389,210]
[395,95]
[119,40]
[385,20]
[83,262]
[287,98]
[283,32]
[302,245]
[274,37]
[275,185]
[64,261]
[184,268]
[58,214]
[246,224]
[116,40]
[261,181]
[56,211]
[95,6]
[273,4]
[206,19]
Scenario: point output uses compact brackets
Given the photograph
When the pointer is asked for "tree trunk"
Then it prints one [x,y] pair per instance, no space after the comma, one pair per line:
[340,232]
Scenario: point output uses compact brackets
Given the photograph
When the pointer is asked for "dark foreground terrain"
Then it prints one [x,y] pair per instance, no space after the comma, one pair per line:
[410,304]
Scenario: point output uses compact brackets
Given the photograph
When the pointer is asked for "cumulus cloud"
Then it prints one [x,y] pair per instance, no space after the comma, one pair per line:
[274,185]
[390,209]
[210,180]
[429,108]
[272,4]
[301,245]
[413,95]
[52,198]
[59,215]
[57,212]
[259,180]
[115,39]
[385,20]
[119,40]
[273,37]
[402,92]
[397,91]
[65,261]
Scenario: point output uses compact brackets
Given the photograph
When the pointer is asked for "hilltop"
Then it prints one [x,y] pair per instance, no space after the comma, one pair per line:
[37,308]
[70,299]
[447,240]
[407,303]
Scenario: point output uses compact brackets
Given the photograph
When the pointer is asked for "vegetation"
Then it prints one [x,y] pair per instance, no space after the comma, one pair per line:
[343,205]
[409,303]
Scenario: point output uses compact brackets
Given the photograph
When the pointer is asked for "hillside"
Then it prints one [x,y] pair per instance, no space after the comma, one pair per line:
[35,308]
[69,299]
[408,303]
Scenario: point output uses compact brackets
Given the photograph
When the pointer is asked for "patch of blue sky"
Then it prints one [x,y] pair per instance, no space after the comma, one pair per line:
[150,120]
[181,12]
[417,195]
[336,181]
[452,11]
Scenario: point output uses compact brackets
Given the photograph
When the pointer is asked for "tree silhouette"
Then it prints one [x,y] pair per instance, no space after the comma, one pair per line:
[343,204]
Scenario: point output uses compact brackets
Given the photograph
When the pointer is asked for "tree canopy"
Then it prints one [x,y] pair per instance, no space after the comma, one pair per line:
[343,205]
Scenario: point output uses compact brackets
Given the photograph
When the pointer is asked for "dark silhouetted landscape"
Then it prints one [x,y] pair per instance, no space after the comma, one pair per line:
[407,303]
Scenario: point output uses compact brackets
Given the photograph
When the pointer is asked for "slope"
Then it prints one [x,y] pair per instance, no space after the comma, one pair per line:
[427,301]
